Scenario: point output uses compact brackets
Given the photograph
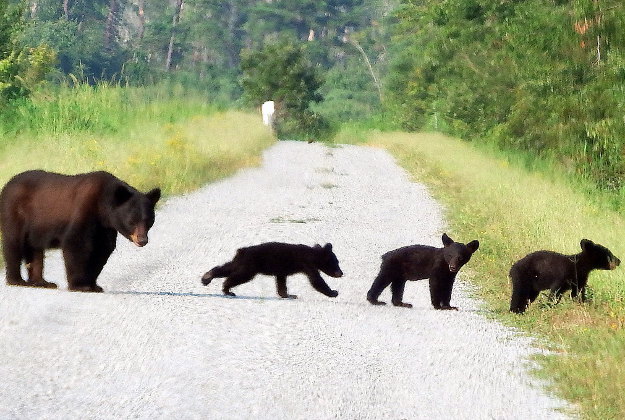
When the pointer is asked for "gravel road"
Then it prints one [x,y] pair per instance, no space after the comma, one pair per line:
[158,344]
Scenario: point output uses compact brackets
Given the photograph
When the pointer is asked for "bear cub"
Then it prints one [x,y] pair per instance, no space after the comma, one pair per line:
[81,214]
[279,260]
[542,270]
[417,262]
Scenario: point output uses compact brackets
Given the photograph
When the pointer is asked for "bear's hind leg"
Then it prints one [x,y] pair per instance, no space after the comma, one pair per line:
[381,282]
[12,251]
[397,293]
[282,290]
[236,279]
[35,270]
[219,271]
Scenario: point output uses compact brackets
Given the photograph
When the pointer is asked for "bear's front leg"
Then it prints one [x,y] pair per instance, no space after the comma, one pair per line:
[381,282]
[440,293]
[282,290]
[578,291]
[397,293]
[84,261]
[319,285]
[447,308]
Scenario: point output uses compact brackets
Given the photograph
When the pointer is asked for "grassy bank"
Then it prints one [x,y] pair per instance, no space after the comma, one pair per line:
[155,135]
[178,157]
[513,212]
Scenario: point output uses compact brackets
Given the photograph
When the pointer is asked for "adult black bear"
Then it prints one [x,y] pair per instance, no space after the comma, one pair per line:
[81,214]
[542,270]
[280,260]
[417,262]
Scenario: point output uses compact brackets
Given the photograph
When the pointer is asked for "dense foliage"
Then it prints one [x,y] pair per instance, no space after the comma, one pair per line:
[196,40]
[546,76]
[198,44]
[280,72]
[21,69]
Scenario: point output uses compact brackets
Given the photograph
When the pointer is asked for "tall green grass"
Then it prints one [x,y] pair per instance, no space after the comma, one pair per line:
[513,211]
[105,108]
[148,136]
[178,157]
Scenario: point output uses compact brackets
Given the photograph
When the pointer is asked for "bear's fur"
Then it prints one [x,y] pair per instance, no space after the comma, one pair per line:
[417,262]
[81,214]
[542,270]
[279,260]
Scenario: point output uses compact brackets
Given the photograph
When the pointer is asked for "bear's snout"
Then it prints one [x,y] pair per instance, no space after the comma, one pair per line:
[139,236]
[453,268]
[338,273]
[614,262]
[139,241]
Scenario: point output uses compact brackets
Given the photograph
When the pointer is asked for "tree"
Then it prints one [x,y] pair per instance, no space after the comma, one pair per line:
[21,69]
[545,77]
[281,72]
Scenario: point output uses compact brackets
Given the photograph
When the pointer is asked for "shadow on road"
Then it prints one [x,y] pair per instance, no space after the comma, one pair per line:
[190,294]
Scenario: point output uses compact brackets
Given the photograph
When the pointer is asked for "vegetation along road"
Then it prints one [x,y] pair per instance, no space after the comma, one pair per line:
[158,344]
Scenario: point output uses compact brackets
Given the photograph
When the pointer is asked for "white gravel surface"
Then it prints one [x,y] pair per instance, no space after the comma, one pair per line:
[158,344]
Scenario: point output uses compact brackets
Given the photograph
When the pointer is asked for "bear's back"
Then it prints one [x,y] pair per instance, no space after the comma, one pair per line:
[544,268]
[51,198]
[273,258]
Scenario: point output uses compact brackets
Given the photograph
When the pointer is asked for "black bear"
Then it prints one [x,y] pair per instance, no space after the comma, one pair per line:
[542,270]
[81,214]
[280,260]
[417,262]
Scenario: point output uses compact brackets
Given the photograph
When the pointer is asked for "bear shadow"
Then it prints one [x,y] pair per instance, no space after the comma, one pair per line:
[191,294]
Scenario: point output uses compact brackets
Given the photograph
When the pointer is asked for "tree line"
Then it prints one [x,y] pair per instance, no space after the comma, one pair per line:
[203,43]
[543,76]
[140,41]
[546,77]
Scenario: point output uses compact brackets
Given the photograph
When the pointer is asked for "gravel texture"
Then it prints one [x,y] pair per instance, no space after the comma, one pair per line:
[158,344]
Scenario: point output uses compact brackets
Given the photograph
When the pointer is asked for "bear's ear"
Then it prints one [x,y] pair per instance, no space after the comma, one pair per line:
[154,195]
[447,240]
[121,195]
[328,247]
[585,243]
[473,245]
[317,246]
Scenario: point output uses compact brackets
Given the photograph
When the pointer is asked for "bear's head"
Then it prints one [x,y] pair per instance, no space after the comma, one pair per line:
[326,261]
[600,256]
[457,254]
[133,213]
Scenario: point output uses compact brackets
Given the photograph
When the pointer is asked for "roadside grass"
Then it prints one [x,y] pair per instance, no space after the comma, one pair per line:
[178,157]
[105,109]
[513,211]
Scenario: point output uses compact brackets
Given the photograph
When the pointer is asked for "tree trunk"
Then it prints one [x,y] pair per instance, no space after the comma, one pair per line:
[376,81]
[66,9]
[110,29]
[175,20]
[141,15]
[232,51]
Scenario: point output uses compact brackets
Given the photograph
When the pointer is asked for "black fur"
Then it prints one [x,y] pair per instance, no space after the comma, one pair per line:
[417,262]
[279,260]
[542,270]
[81,214]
